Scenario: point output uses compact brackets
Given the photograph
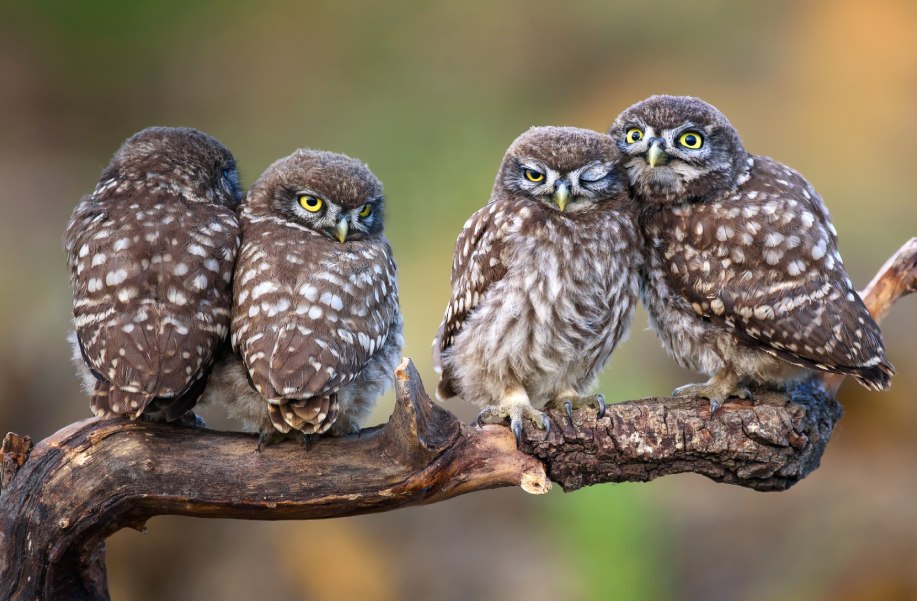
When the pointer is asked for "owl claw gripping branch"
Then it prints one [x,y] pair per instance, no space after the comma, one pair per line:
[544,280]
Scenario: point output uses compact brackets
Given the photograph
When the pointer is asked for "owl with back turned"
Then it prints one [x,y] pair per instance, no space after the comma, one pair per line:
[151,254]
[316,323]
[544,280]
[743,274]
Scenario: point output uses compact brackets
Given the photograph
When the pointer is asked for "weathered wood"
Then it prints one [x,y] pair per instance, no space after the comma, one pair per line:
[62,498]
[769,444]
[97,476]
[15,452]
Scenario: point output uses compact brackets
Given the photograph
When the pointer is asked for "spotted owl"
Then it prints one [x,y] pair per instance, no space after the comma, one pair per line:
[315,316]
[544,280]
[151,254]
[743,273]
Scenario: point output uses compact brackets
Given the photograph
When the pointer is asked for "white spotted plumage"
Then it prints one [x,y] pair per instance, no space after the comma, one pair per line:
[146,328]
[794,298]
[316,320]
[743,270]
[541,292]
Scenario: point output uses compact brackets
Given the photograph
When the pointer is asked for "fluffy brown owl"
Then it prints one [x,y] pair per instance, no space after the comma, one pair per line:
[743,271]
[315,316]
[151,254]
[544,279]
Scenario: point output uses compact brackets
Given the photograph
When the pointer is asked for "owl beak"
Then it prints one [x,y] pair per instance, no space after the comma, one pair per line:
[655,155]
[341,229]
[561,194]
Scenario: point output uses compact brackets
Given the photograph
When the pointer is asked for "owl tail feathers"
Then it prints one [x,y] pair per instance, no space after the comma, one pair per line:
[108,401]
[877,377]
[313,415]
[170,409]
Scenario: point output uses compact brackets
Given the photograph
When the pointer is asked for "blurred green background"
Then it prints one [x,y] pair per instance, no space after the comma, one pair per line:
[430,94]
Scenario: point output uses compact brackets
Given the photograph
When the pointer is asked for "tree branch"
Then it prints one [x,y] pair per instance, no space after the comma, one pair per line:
[62,498]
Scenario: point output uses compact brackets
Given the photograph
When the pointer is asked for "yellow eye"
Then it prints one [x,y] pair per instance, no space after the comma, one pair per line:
[534,176]
[313,204]
[634,135]
[691,139]
[366,210]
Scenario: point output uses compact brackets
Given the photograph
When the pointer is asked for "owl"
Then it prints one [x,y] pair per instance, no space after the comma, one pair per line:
[151,254]
[743,274]
[544,280]
[315,324]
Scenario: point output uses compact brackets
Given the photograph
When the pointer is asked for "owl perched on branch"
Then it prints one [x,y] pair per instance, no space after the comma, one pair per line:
[743,274]
[315,316]
[151,254]
[544,280]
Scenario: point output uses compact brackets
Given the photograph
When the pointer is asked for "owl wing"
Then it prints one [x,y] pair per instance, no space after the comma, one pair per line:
[319,334]
[477,265]
[769,268]
[151,295]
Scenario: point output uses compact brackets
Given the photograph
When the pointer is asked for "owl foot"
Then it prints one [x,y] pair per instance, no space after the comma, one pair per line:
[309,440]
[189,420]
[571,401]
[715,391]
[192,420]
[266,439]
[515,412]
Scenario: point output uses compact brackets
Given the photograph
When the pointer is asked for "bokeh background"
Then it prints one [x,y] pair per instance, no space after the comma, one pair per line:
[430,94]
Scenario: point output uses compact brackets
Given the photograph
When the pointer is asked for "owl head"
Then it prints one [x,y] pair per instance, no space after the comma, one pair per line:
[181,160]
[678,148]
[568,169]
[325,192]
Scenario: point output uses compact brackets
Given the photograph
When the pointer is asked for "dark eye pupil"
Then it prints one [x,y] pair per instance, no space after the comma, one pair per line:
[690,140]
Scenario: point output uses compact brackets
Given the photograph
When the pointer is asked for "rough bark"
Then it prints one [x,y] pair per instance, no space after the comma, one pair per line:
[62,498]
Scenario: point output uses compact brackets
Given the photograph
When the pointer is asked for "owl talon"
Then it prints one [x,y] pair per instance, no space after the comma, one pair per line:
[716,391]
[714,405]
[516,427]
[744,393]
[266,439]
[308,440]
[516,413]
[568,403]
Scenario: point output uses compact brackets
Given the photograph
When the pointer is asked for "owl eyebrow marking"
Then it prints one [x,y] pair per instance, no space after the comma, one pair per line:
[303,191]
[530,164]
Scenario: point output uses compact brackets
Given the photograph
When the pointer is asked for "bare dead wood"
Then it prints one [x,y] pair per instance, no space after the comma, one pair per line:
[62,498]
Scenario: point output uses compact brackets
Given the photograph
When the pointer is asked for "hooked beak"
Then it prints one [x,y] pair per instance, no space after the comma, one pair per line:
[655,155]
[341,229]
[561,194]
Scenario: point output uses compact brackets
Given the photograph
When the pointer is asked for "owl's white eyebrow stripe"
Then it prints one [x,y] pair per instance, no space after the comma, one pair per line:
[532,164]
